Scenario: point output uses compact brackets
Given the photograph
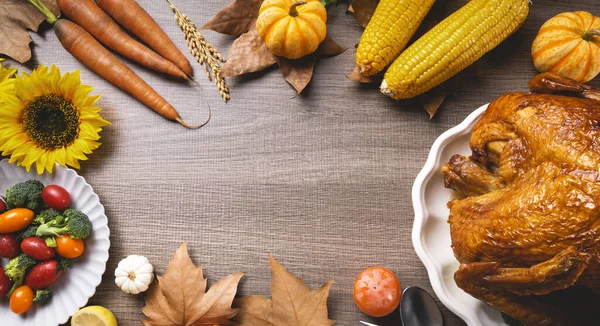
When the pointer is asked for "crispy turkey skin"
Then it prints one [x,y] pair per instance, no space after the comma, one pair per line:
[527,229]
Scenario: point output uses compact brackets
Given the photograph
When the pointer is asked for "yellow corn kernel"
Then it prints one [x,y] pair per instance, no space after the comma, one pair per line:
[452,45]
[389,30]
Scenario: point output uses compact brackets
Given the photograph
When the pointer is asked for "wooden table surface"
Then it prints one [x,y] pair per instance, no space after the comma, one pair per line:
[322,180]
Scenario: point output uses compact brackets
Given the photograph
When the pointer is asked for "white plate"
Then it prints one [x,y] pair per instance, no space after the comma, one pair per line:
[431,231]
[79,283]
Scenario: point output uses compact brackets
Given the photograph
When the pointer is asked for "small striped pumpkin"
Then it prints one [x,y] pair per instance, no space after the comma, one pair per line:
[569,45]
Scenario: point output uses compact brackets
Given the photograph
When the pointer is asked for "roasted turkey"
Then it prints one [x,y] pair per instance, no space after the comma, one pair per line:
[526,228]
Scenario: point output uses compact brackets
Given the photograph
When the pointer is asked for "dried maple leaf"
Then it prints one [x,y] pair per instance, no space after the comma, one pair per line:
[235,19]
[291,304]
[179,297]
[16,17]
[248,54]
[363,10]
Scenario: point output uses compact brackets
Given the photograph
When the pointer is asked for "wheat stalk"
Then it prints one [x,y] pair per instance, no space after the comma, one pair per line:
[204,52]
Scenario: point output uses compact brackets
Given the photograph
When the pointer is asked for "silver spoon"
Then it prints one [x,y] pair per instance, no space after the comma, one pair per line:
[417,308]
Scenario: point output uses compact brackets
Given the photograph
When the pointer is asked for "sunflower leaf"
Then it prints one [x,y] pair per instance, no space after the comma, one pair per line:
[16,17]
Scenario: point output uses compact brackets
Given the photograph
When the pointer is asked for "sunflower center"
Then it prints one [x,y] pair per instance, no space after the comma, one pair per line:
[51,121]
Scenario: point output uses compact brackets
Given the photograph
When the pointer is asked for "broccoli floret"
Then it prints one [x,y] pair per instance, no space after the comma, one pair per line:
[42,296]
[64,264]
[46,216]
[26,194]
[16,268]
[28,232]
[72,222]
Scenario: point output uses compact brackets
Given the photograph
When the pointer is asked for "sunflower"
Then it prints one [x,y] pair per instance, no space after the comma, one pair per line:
[49,119]
[6,82]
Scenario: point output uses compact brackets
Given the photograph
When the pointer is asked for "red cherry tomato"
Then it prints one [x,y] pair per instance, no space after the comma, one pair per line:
[68,247]
[21,300]
[2,206]
[5,283]
[377,291]
[9,246]
[56,197]
[43,275]
[37,248]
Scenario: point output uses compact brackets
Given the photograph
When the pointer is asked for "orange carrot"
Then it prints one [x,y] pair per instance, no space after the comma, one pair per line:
[95,21]
[94,56]
[129,14]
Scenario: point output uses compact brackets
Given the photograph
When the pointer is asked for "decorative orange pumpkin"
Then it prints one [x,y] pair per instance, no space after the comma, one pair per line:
[292,29]
[569,44]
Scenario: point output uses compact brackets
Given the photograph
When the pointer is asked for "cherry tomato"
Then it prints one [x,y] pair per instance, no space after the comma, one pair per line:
[5,283]
[56,197]
[68,247]
[9,246]
[43,275]
[15,220]
[21,300]
[37,248]
[2,206]
[377,291]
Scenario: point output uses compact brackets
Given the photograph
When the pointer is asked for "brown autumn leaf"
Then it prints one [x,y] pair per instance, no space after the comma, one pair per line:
[248,54]
[292,303]
[330,48]
[235,19]
[16,17]
[362,10]
[299,72]
[179,297]
[432,101]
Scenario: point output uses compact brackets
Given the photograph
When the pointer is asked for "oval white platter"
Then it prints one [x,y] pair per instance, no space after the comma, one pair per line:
[79,283]
[431,231]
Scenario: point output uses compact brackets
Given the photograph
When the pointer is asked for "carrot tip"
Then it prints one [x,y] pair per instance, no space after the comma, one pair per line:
[193,80]
[178,119]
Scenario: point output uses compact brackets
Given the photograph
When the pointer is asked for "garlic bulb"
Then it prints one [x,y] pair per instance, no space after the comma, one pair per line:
[134,274]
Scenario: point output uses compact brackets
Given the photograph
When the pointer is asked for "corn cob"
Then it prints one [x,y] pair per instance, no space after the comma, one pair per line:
[389,30]
[452,45]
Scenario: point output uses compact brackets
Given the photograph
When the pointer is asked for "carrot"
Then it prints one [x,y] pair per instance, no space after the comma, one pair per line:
[97,58]
[95,21]
[129,14]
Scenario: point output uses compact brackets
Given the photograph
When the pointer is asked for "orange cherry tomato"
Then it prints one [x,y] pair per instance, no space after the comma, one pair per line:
[377,291]
[68,247]
[15,220]
[21,300]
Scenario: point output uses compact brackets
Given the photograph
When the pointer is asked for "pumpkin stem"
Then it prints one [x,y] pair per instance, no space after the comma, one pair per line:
[293,10]
[591,33]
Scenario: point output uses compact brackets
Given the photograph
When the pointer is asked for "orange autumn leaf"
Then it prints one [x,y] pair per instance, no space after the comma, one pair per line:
[179,297]
[291,303]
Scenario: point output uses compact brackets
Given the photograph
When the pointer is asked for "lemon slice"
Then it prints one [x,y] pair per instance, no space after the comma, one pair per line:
[93,316]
